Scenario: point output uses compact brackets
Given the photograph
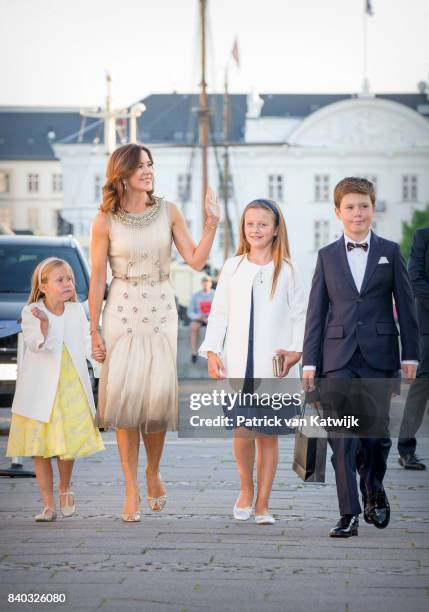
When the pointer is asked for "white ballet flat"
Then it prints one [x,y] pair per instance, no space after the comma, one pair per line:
[68,509]
[242,514]
[264,519]
[46,516]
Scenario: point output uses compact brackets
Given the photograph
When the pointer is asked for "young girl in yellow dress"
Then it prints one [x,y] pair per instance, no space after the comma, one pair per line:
[53,408]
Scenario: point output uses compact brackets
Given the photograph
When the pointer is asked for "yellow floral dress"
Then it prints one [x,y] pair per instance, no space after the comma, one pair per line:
[70,432]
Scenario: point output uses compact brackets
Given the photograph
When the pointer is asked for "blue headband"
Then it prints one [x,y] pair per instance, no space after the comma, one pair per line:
[269,205]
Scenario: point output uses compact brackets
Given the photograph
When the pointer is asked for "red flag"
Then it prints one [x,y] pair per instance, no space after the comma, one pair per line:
[234,52]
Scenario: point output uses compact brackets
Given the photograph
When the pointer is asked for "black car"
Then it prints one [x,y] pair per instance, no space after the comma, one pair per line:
[19,255]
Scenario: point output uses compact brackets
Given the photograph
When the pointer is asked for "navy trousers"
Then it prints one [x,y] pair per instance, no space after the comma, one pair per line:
[366,452]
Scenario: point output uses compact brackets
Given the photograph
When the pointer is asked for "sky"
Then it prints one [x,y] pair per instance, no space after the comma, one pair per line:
[57,52]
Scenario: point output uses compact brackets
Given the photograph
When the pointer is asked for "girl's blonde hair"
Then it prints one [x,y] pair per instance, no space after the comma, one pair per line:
[122,163]
[280,245]
[41,274]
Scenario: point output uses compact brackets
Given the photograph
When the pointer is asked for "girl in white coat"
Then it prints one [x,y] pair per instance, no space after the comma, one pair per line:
[53,408]
[258,311]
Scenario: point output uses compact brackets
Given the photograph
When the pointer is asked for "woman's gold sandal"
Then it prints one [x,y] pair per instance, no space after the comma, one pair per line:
[134,517]
[156,504]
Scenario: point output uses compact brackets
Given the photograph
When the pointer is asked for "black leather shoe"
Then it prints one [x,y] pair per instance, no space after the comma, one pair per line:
[347,526]
[366,507]
[379,509]
[411,462]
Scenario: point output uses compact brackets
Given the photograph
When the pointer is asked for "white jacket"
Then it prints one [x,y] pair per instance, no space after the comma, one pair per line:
[38,375]
[280,325]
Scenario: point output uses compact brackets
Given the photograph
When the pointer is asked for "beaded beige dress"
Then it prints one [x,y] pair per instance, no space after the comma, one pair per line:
[138,382]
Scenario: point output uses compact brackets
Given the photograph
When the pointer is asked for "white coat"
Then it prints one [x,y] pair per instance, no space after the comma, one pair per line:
[38,375]
[278,323]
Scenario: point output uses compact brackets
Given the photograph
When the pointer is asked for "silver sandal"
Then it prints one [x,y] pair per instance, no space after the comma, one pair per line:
[156,504]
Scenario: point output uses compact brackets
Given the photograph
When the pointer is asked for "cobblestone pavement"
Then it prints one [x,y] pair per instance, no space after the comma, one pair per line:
[194,557]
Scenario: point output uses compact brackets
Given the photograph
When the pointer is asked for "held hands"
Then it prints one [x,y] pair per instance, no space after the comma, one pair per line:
[98,348]
[43,318]
[290,358]
[215,366]
[409,371]
[212,207]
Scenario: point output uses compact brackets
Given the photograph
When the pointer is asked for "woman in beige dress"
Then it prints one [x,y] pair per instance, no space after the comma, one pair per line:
[138,390]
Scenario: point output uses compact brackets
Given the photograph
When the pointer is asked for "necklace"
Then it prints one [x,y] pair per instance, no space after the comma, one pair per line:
[139,220]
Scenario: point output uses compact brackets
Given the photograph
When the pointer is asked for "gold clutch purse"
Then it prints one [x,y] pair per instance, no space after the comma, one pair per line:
[278,361]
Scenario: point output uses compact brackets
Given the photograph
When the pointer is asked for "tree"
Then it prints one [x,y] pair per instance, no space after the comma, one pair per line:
[419,219]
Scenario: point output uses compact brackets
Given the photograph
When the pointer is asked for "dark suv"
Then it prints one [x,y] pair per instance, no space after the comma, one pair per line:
[19,255]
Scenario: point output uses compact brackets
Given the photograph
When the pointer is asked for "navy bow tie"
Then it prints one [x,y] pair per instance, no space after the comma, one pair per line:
[357,245]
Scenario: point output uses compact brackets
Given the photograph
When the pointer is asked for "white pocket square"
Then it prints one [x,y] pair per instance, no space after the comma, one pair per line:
[383,260]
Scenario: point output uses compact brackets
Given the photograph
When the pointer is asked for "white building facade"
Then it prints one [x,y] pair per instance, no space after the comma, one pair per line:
[292,157]
[31,195]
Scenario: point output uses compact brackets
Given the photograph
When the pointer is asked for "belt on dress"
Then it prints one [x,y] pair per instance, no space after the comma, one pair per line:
[126,277]
[142,277]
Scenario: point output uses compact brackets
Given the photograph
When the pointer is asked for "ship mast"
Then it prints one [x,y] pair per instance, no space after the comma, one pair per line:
[110,116]
[226,221]
[203,109]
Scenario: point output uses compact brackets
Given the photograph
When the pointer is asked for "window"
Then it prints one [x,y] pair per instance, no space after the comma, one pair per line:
[33,219]
[275,187]
[17,262]
[409,188]
[184,187]
[321,234]
[97,187]
[55,220]
[4,182]
[33,183]
[321,188]
[372,178]
[5,217]
[57,183]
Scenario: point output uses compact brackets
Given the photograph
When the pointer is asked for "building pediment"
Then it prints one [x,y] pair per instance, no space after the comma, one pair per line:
[368,124]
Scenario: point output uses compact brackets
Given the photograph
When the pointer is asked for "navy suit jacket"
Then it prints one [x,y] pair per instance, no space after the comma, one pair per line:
[418,268]
[340,318]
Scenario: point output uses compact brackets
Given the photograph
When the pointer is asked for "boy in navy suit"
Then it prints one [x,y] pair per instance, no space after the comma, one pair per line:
[351,333]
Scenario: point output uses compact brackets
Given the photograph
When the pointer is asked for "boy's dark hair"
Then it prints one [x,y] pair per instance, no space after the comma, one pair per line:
[353,184]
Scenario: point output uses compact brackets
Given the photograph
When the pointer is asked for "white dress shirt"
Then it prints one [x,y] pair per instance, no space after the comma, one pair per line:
[357,259]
